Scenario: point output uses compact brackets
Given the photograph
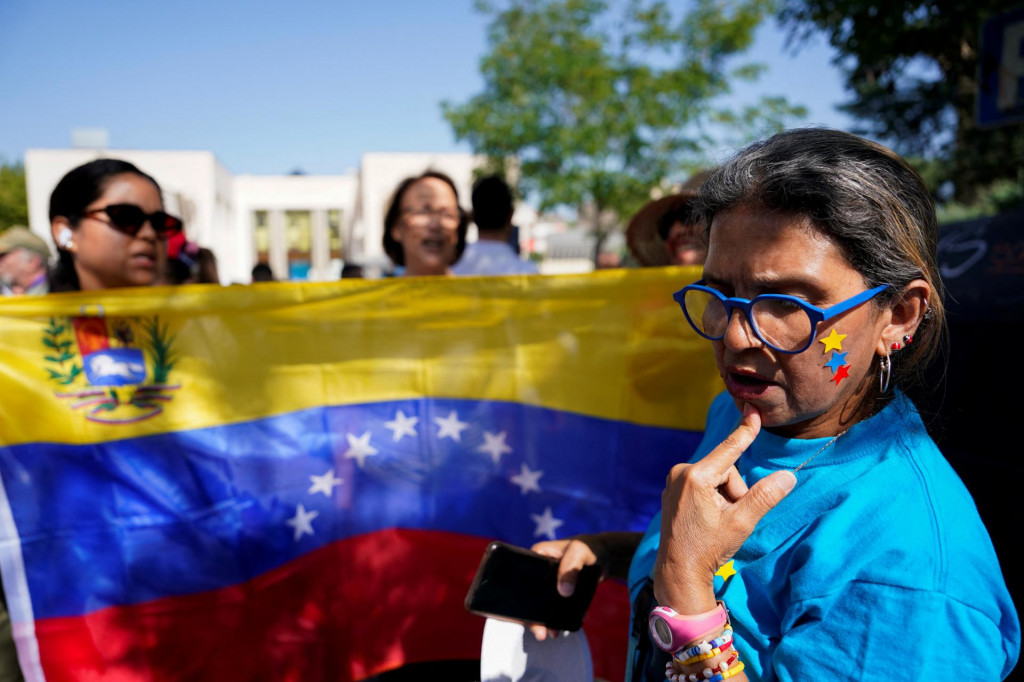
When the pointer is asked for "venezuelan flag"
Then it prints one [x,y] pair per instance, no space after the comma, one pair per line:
[296,482]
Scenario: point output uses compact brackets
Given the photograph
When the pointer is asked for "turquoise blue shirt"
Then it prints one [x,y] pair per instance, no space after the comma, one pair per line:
[876,566]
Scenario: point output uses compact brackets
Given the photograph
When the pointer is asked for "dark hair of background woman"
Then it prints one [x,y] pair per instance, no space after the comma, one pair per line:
[72,195]
[391,247]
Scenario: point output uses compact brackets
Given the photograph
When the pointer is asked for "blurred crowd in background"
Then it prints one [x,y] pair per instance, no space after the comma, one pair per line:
[109,230]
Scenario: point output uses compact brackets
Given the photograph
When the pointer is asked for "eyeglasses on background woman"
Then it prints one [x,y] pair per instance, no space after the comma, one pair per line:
[129,219]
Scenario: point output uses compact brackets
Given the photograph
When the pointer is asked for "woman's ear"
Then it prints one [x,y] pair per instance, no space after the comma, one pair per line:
[62,233]
[905,316]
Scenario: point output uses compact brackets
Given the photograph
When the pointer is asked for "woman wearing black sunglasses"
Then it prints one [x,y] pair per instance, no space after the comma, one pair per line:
[108,223]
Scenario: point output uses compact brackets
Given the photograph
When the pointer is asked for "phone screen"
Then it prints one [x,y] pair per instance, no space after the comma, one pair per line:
[516,584]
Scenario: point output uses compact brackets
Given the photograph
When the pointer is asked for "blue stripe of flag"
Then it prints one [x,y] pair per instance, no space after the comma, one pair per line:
[129,521]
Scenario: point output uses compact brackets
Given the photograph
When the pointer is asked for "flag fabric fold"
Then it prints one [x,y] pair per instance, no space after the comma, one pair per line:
[296,482]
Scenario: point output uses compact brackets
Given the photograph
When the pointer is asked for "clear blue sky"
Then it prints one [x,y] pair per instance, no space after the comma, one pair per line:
[274,86]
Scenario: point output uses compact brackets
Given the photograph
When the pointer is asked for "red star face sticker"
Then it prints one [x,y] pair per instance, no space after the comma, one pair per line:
[841,373]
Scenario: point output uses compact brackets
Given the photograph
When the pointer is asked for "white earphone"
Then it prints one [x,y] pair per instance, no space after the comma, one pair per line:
[64,238]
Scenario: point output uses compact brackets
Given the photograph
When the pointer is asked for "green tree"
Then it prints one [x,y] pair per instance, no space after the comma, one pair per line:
[910,67]
[595,109]
[13,196]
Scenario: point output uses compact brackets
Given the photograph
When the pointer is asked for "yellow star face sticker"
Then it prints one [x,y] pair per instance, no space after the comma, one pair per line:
[727,571]
[833,341]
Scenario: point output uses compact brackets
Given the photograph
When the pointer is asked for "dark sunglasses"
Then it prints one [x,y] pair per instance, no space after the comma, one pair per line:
[129,219]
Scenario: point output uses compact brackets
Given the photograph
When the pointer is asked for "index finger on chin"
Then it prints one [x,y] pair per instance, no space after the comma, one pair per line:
[730,449]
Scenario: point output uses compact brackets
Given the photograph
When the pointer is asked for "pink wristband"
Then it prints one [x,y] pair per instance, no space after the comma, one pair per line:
[672,631]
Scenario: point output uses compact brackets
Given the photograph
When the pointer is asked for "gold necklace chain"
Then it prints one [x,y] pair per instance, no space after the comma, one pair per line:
[823,448]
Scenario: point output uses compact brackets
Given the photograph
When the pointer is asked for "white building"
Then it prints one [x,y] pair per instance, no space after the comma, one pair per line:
[299,224]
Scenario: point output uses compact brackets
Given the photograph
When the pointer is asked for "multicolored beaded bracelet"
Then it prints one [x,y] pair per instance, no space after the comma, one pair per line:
[707,674]
[705,656]
[704,647]
[728,673]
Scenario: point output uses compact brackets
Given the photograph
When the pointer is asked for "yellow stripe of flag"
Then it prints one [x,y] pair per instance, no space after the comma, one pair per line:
[612,344]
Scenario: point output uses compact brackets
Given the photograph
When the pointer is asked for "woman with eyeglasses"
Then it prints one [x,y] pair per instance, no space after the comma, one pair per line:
[817,533]
[424,227]
[108,222]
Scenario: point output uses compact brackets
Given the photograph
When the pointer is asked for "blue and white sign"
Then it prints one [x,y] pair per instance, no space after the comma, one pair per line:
[1001,70]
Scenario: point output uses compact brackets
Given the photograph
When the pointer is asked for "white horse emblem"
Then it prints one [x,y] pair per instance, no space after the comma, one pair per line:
[106,366]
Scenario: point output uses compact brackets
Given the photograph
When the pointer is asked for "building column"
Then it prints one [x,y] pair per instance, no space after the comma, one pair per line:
[320,245]
[278,244]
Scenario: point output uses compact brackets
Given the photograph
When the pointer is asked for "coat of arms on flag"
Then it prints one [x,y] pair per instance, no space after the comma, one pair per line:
[114,369]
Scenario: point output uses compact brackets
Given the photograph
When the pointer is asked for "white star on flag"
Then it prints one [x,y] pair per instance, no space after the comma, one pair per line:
[546,524]
[527,480]
[494,445]
[451,426]
[325,483]
[302,522]
[359,448]
[402,426]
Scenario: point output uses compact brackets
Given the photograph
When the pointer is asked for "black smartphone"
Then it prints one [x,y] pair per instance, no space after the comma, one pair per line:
[513,583]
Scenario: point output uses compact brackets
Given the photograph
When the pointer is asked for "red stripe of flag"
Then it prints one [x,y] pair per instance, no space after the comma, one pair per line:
[352,609]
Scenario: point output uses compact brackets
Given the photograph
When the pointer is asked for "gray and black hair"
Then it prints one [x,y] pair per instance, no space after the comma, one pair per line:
[863,196]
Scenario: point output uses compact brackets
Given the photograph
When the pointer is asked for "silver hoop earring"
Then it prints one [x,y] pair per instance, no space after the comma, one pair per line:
[884,373]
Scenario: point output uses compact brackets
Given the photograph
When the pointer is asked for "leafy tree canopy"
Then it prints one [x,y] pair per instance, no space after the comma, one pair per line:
[13,196]
[911,69]
[596,108]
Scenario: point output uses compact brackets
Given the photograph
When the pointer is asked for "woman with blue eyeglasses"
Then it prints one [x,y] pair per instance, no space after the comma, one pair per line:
[817,533]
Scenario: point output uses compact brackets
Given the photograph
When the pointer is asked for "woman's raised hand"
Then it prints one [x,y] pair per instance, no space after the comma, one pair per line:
[707,514]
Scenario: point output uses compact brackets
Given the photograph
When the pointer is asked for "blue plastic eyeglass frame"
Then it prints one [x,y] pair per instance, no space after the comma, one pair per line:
[814,313]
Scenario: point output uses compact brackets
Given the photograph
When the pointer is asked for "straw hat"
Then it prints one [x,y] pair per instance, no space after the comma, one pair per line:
[645,241]
[642,236]
[19,237]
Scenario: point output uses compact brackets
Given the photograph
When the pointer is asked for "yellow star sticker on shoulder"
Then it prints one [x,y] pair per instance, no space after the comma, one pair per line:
[726,571]
[833,341]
